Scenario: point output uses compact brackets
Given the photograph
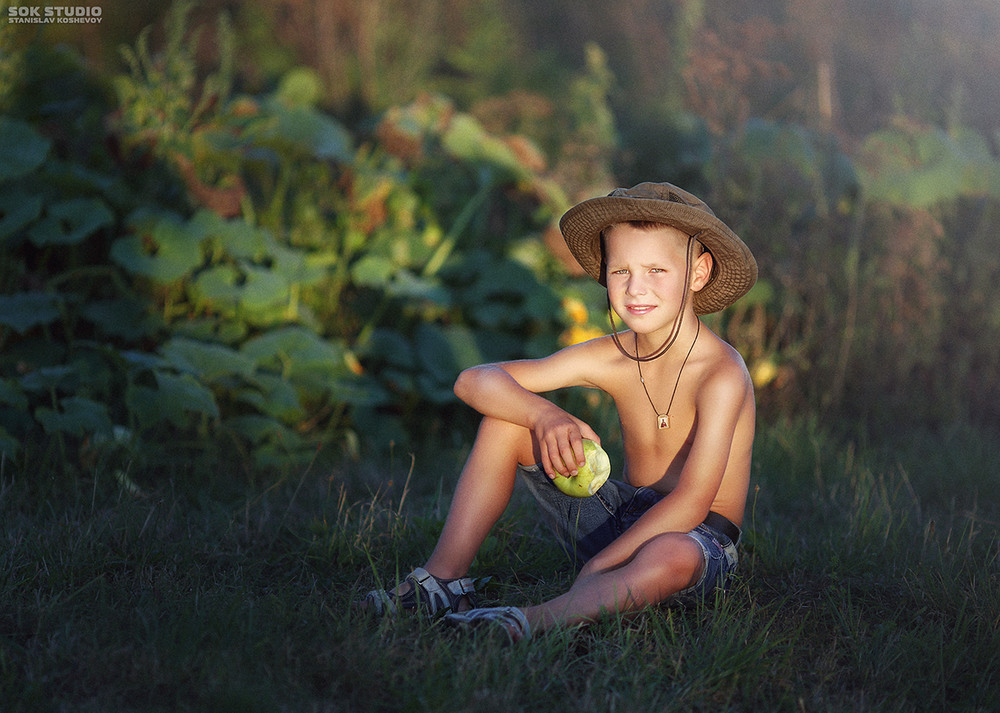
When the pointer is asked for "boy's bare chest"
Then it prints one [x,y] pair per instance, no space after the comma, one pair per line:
[657,430]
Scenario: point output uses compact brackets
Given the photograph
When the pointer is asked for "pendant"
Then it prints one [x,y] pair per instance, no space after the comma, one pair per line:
[663,421]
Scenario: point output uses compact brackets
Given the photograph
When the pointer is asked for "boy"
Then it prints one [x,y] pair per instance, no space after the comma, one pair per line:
[686,406]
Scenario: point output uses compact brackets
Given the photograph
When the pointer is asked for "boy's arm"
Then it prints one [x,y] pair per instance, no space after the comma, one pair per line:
[722,401]
[510,391]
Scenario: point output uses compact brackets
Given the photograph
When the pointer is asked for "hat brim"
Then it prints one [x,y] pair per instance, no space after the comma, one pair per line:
[734,269]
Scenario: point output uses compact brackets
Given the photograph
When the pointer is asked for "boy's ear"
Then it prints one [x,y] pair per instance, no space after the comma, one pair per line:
[701,271]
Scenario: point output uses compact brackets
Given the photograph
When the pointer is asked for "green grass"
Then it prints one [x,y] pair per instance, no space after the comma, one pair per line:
[869,583]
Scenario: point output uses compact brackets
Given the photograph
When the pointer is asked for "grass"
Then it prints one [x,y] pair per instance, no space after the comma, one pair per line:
[869,583]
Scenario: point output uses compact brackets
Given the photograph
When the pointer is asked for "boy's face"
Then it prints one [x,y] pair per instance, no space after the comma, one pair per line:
[645,275]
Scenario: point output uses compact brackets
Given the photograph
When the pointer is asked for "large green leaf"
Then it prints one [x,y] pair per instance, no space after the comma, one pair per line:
[391,347]
[465,138]
[236,237]
[164,249]
[219,287]
[125,318]
[497,315]
[70,222]
[217,327]
[306,129]
[309,361]
[17,210]
[789,145]
[289,451]
[501,278]
[209,362]
[263,289]
[143,361]
[267,265]
[300,87]
[274,396]
[373,271]
[445,351]
[22,149]
[254,428]
[433,390]
[921,167]
[78,417]
[406,284]
[24,310]
[262,429]
[173,400]
[291,345]
[981,170]
[297,266]
[359,391]
[50,378]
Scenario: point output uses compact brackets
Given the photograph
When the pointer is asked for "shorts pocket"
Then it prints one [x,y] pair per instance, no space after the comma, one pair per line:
[642,500]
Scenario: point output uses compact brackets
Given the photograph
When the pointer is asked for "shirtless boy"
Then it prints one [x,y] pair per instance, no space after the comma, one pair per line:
[686,406]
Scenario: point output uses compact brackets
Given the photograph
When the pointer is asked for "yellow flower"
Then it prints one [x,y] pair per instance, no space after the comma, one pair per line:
[579,333]
[575,310]
[763,372]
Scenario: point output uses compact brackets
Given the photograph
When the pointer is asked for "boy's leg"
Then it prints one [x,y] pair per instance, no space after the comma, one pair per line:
[481,496]
[665,565]
[484,489]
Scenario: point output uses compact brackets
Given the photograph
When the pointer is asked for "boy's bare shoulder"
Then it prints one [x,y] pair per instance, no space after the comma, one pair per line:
[724,372]
[599,348]
[727,355]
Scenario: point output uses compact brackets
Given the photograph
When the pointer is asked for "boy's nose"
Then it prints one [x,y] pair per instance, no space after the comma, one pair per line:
[635,286]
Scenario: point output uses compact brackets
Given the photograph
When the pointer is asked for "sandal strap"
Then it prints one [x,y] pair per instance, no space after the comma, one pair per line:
[510,619]
[426,591]
[380,602]
[442,594]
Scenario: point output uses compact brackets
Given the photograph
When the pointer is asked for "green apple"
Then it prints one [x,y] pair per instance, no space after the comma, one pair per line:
[589,477]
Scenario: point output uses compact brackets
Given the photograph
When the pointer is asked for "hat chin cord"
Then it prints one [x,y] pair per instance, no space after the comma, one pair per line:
[675,330]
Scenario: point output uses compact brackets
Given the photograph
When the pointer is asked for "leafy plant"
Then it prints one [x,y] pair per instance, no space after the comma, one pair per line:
[262,280]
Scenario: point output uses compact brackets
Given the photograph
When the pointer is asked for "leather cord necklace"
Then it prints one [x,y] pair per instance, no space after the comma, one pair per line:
[663,419]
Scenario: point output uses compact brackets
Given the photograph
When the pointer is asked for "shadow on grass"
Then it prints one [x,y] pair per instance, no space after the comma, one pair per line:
[861,588]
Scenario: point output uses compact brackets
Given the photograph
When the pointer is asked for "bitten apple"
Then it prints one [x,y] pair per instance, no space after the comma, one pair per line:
[589,477]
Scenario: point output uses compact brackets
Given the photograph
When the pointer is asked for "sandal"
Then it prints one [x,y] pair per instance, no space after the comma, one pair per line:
[426,592]
[511,619]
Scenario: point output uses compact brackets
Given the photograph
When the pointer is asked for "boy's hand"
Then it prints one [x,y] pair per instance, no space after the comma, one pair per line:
[560,439]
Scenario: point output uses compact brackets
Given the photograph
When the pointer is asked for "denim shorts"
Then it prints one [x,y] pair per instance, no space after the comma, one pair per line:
[585,526]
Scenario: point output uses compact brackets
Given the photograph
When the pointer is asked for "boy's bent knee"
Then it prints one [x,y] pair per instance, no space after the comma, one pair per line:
[517,439]
[673,556]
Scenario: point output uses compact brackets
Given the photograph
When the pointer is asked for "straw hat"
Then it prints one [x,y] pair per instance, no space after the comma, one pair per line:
[734,269]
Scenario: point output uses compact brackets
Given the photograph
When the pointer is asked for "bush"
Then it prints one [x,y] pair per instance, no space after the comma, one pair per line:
[244,270]
[869,270]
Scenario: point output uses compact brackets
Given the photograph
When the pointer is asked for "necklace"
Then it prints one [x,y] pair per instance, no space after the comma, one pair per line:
[663,419]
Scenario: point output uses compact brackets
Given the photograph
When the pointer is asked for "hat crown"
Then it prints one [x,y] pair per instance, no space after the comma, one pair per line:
[662,192]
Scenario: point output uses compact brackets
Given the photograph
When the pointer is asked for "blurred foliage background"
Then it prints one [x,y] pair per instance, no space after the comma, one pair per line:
[268,228]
